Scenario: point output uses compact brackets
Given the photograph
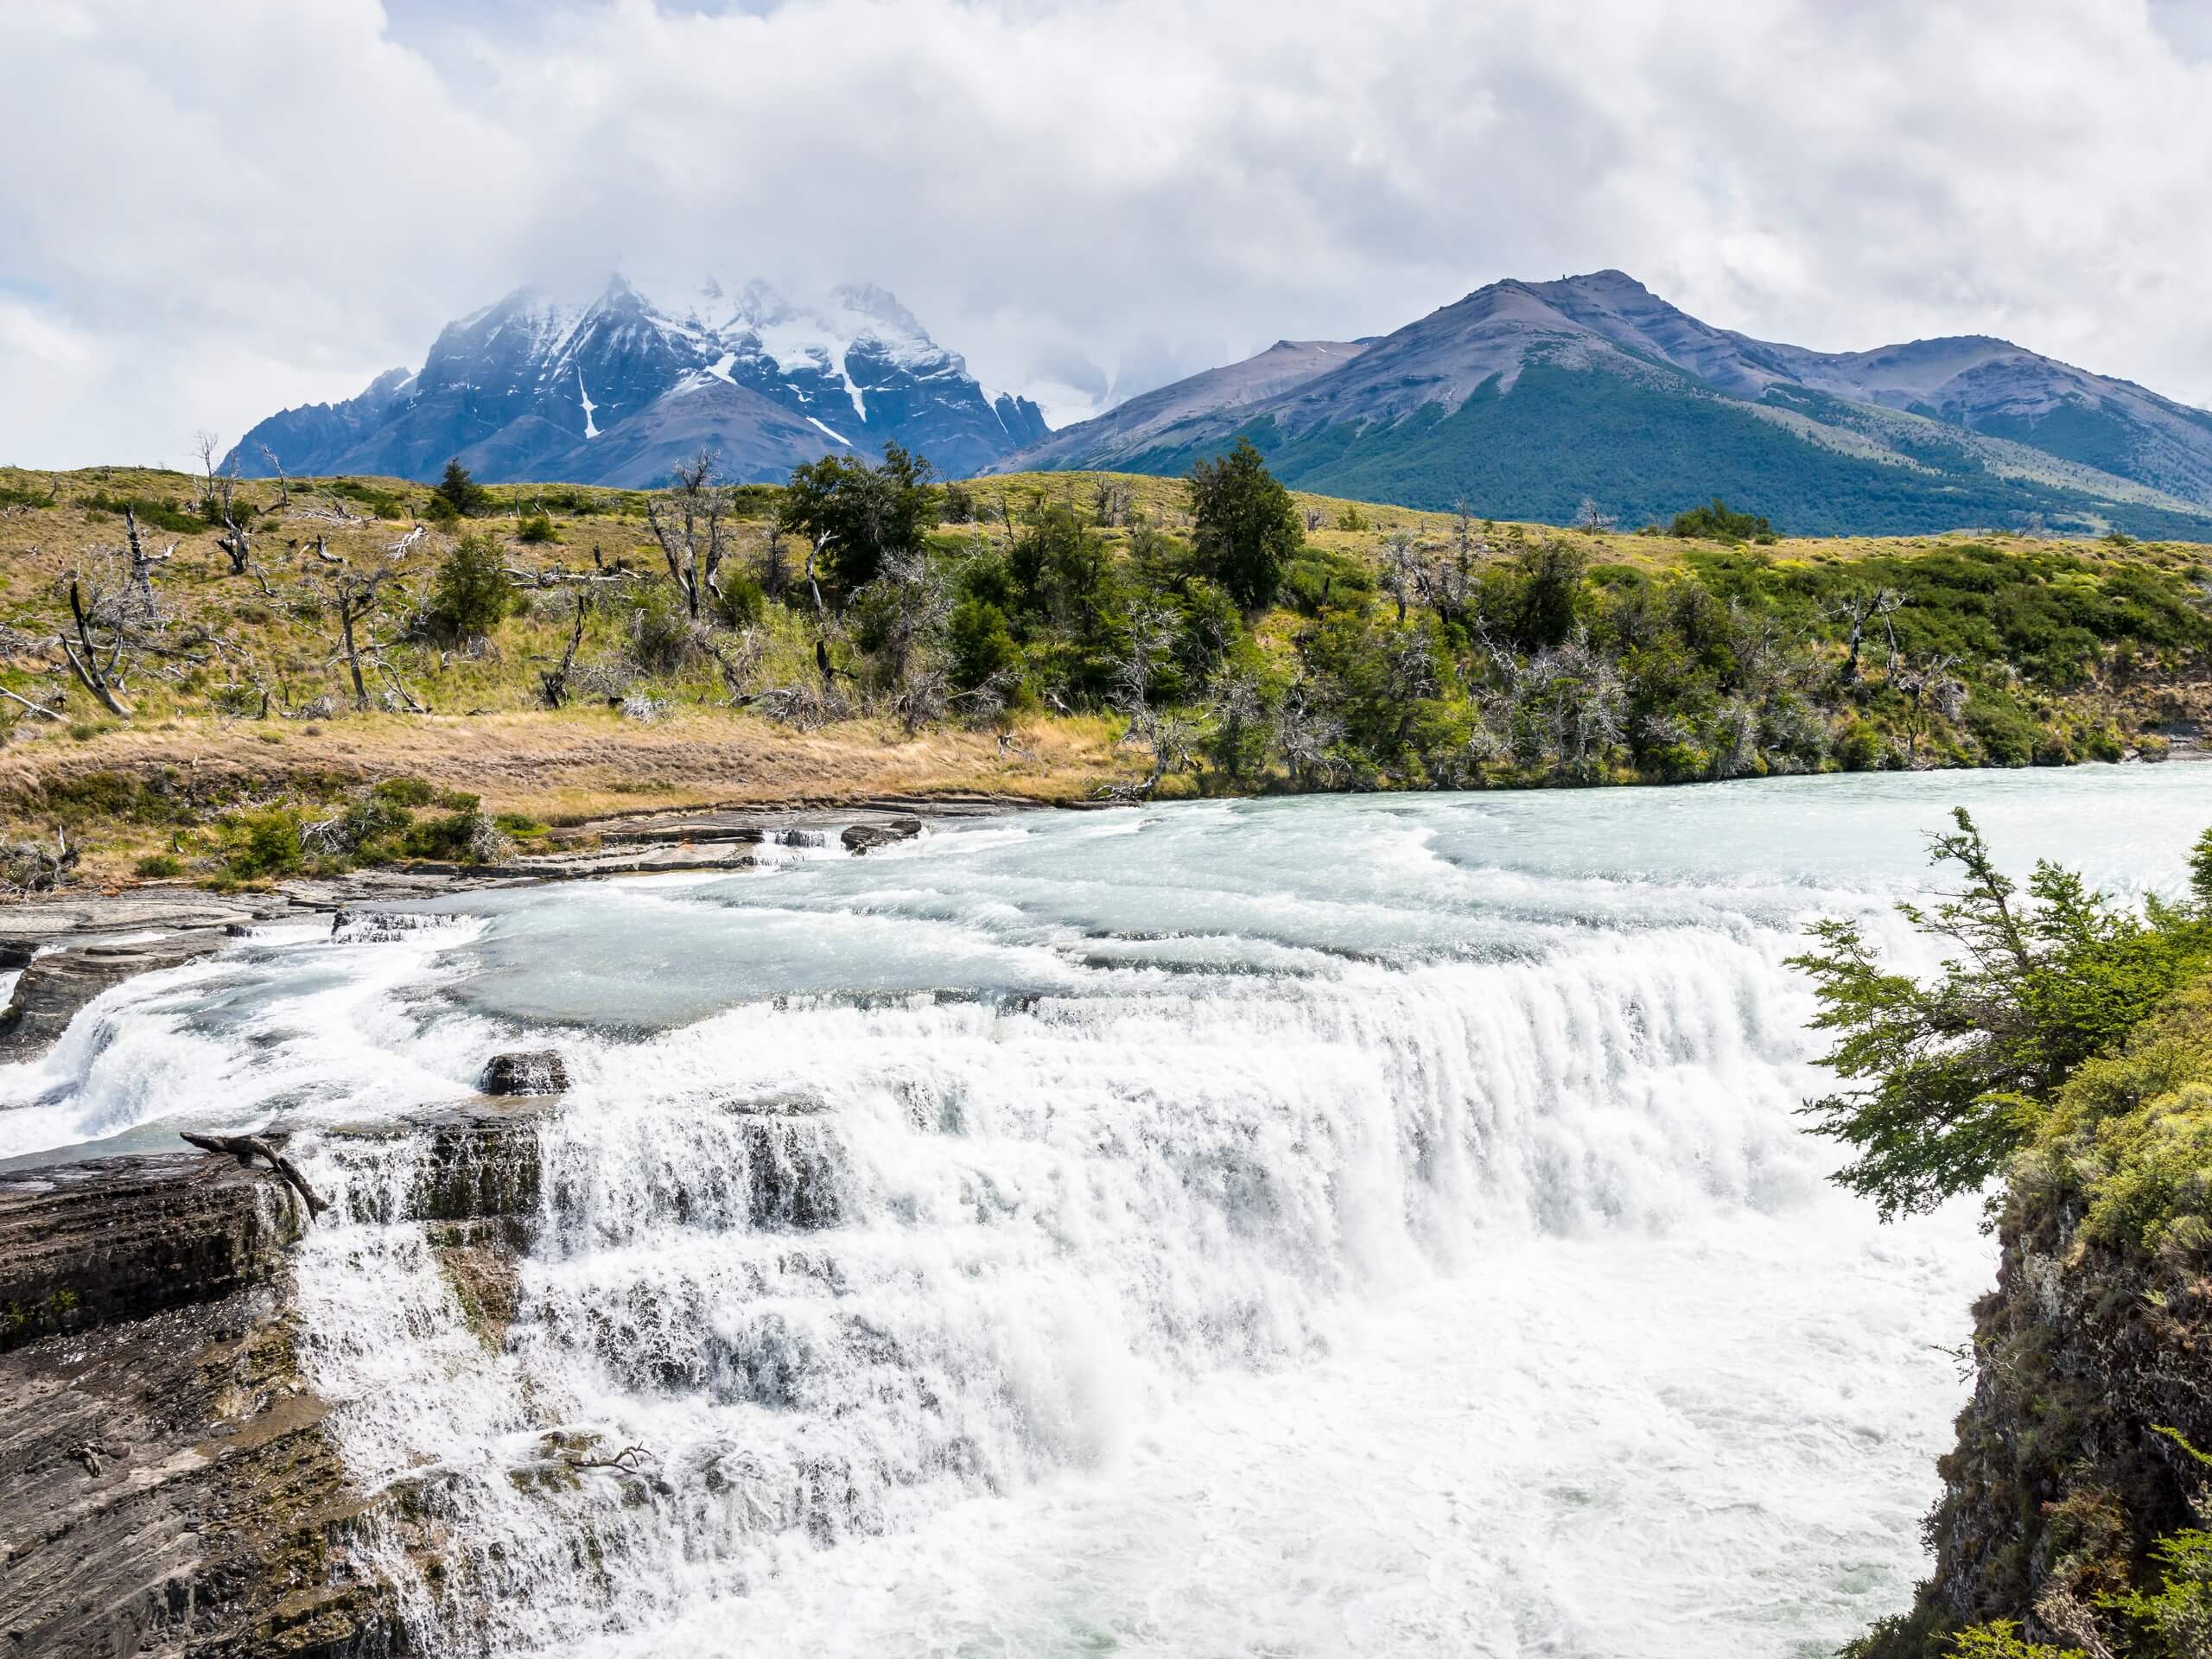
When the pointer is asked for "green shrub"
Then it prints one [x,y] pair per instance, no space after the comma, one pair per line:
[403,790]
[383,504]
[264,844]
[157,515]
[982,645]
[1714,523]
[535,530]
[663,636]
[741,601]
[159,864]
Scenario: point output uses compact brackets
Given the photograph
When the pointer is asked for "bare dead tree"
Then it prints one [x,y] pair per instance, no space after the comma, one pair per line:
[1936,693]
[813,556]
[283,483]
[916,608]
[1167,738]
[247,1148]
[692,528]
[1860,610]
[221,489]
[141,569]
[775,564]
[1591,519]
[1308,733]
[735,657]
[43,710]
[352,598]
[26,867]
[1110,502]
[103,635]
[1400,565]
[553,683]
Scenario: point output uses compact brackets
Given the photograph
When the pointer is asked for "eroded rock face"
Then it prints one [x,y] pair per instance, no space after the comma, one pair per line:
[91,1244]
[2062,1471]
[527,1071]
[166,1483]
[56,985]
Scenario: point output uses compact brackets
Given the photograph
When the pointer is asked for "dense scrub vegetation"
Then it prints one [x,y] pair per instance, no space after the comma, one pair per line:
[1231,635]
[2069,1046]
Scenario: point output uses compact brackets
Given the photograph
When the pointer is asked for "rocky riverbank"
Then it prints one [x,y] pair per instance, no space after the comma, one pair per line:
[2078,1463]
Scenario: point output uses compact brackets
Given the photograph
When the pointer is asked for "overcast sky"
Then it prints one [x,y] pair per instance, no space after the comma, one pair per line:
[213,208]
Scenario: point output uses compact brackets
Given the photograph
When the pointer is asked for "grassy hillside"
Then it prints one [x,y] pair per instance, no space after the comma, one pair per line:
[1056,636]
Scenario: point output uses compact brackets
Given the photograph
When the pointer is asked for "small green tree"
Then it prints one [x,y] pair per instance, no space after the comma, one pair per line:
[471,593]
[1248,528]
[860,515]
[460,491]
[981,645]
[1952,1076]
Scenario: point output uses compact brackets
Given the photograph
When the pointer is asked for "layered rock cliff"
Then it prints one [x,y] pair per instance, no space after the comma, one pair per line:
[168,1484]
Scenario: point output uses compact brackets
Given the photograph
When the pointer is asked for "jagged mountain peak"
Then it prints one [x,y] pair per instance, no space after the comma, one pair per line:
[878,306]
[539,387]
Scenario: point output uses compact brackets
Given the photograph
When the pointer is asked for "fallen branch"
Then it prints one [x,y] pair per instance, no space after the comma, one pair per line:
[619,1460]
[35,708]
[247,1148]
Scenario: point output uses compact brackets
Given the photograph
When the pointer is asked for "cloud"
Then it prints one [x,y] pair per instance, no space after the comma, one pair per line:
[242,204]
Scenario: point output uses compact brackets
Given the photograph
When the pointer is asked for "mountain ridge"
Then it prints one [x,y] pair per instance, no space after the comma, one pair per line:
[1922,435]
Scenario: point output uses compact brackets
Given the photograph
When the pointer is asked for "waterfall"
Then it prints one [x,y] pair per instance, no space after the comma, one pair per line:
[986,1239]
[1302,1228]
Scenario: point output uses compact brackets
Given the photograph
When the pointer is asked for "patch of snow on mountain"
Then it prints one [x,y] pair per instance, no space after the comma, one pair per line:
[591,430]
[832,431]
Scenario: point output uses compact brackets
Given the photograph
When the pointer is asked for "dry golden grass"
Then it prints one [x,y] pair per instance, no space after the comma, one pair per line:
[576,765]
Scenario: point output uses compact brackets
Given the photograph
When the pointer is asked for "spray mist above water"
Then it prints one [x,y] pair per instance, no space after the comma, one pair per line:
[1325,1226]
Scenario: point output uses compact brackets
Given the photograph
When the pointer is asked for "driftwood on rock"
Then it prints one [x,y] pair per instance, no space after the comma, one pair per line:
[621,1460]
[247,1148]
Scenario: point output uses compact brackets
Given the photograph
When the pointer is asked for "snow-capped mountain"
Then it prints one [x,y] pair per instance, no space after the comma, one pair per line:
[619,391]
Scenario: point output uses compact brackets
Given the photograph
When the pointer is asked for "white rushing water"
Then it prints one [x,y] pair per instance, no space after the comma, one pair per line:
[1369,1226]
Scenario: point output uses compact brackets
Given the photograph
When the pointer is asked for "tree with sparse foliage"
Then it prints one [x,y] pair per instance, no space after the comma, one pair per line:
[1949,1077]
[1246,530]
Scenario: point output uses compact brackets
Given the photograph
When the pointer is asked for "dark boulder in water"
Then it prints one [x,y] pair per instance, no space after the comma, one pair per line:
[526,1071]
[859,837]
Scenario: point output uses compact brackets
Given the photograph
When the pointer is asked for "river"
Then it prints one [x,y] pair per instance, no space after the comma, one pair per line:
[1355,1225]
